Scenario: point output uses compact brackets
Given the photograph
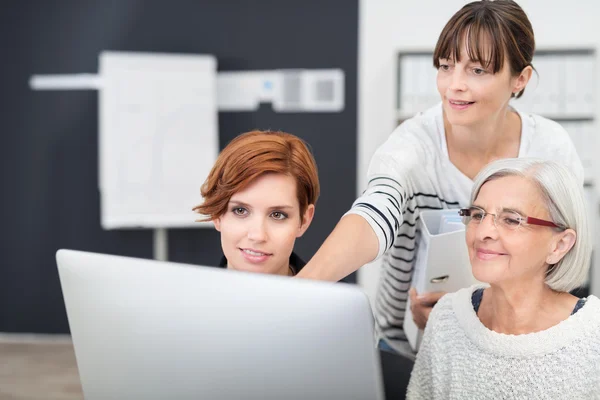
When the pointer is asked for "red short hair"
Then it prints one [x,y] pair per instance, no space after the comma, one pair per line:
[251,155]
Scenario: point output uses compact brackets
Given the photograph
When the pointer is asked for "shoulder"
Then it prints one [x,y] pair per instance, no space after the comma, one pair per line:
[548,140]
[461,296]
[444,329]
[580,331]
[592,307]
[453,306]
[426,122]
[415,138]
[545,126]
[545,133]
[443,311]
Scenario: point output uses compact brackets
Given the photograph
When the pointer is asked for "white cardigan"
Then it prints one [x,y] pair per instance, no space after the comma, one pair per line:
[462,359]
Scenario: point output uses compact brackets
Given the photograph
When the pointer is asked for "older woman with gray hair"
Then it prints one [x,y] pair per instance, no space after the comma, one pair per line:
[522,336]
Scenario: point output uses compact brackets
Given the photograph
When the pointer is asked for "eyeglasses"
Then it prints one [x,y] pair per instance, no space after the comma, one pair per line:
[509,220]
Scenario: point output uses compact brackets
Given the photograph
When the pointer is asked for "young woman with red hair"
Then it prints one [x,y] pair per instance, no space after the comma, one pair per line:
[261,196]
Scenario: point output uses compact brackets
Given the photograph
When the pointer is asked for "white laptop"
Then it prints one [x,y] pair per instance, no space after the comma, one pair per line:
[144,329]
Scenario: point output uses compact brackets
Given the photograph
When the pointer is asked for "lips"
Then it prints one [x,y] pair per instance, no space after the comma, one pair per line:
[461,102]
[255,252]
[255,256]
[485,254]
[459,105]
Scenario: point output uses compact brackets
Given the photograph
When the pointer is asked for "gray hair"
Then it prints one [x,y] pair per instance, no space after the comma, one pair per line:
[564,198]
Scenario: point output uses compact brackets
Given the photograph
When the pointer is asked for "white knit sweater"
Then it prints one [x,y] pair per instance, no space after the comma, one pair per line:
[462,359]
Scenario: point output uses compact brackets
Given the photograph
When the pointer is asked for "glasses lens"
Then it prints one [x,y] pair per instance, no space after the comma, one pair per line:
[474,215]
[509,220]
[465,215]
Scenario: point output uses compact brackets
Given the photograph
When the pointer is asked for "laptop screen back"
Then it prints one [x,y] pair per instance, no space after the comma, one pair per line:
[144,329]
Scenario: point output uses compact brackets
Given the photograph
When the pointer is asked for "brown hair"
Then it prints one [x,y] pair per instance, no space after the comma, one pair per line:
[251,155]
[502,22]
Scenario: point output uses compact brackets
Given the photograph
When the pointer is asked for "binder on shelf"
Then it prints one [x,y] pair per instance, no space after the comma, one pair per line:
[432,93]
[547,97]
[579,84]
[417,84]
[407,85]
[587,151]
[442,261]
[427,82]
[582,134]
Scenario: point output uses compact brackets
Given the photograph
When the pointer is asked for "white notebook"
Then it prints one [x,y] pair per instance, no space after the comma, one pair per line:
[442,262]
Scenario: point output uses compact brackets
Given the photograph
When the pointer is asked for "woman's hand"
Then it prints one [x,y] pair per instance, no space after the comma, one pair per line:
[422,304]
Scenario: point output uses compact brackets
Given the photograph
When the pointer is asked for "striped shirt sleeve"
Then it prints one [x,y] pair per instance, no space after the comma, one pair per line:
[384,201]
[382,205]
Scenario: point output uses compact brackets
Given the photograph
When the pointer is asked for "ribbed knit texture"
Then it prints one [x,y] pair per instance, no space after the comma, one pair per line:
[462,359]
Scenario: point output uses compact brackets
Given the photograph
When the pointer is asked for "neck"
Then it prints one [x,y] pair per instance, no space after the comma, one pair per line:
[485,141]
[524,308]
[285,270]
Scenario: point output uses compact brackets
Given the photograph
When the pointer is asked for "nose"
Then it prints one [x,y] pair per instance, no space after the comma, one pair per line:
[457,80]
[486,229]
[257,230]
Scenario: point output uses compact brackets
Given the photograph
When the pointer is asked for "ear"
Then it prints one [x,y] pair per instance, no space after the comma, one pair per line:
[561,244]
[217,222]
[521,81]
[306,219]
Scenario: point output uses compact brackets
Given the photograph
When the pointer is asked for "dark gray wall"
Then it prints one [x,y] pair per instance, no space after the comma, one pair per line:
[49,141]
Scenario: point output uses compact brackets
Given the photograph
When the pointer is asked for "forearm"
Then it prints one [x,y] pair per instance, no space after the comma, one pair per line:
[352,244]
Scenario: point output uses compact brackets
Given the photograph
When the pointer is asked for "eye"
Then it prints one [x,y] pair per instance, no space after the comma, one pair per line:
[511,220]
[239,211]
[476,213]
[444,67]
[278,215]
[479,71]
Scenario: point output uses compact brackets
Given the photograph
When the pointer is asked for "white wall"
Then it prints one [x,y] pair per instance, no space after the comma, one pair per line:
[388,26]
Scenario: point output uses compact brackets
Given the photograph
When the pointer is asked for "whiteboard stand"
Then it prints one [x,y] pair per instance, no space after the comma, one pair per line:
[161,244]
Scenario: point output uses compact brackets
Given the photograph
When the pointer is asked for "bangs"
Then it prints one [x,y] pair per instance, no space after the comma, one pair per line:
[482,38]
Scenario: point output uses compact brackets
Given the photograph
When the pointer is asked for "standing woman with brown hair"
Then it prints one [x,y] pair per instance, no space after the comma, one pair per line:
[261,195]
[483,57]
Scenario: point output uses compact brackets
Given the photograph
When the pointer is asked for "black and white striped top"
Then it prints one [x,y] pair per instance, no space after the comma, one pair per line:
[410,172]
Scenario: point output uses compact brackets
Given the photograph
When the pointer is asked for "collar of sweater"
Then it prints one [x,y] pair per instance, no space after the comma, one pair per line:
[584,324]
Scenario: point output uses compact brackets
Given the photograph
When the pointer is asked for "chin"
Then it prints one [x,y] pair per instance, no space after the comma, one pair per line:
[459,120]
[254,268]
[487,273]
